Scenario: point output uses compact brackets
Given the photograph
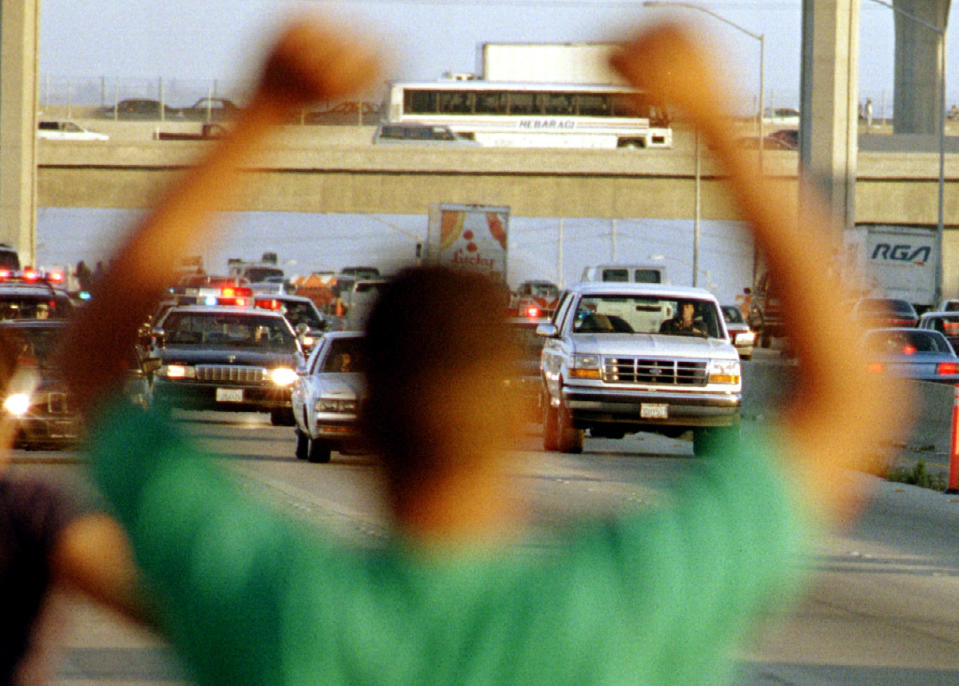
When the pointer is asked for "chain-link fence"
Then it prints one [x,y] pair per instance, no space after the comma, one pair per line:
[175,99]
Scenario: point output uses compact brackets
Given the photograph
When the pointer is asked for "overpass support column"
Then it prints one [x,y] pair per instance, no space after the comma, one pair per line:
[828,110]
[918,66]
[19,46]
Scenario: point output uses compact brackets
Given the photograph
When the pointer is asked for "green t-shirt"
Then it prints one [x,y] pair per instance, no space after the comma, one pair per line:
[251,596]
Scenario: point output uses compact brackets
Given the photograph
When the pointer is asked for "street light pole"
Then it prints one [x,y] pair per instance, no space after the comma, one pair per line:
[760,144]
[940,220]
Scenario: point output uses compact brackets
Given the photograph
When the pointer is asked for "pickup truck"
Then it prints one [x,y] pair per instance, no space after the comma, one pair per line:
[626,357]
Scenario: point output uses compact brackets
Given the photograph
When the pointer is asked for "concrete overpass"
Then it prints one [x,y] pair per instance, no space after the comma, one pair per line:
[309,170]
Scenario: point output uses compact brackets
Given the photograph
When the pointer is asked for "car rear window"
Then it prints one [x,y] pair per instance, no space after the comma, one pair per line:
[907,342]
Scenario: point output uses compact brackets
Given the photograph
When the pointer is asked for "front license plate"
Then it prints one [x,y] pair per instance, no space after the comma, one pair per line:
[654,411]
[229,395]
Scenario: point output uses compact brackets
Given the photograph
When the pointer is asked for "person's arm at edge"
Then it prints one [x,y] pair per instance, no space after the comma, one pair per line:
[311,62]
[93,555]
[834,420]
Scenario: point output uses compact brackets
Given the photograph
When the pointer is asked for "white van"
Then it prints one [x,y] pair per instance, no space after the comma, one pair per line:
[626,273]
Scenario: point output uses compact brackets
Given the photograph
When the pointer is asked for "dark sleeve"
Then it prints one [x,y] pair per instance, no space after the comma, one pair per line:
[33,515]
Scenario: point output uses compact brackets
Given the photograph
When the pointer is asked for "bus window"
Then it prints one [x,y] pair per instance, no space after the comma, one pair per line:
[524,103]
[558,104]
[456,103]
[420,102]
[490,102]
[593,105]
[625,106]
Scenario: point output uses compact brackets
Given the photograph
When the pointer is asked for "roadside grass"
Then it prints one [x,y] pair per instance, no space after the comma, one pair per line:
[917,475]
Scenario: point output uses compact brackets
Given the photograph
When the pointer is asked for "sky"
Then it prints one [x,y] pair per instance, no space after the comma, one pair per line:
[222,40]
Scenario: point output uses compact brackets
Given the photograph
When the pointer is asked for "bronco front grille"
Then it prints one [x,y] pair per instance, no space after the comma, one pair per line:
[219,373]
[653,371]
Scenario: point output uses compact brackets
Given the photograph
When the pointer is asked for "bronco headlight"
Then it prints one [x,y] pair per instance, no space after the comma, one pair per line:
[585,367]
[347,406]
[724,371]
[17,404]
[282,376]
[178,371]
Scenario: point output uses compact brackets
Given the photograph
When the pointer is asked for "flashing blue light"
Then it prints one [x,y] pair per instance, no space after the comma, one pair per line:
[210,300]
[83,295]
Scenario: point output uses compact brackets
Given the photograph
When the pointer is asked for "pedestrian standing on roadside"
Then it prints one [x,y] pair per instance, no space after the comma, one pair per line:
[868,109]
[661,596]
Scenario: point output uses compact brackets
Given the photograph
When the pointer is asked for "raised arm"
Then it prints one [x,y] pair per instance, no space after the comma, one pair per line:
[311,62]
[838,412]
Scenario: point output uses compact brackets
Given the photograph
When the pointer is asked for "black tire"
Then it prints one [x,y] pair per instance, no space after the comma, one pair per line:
[302,445]
[282,417]
[765,340]
[550,421]
[702,440]
[319,451]
[568,438]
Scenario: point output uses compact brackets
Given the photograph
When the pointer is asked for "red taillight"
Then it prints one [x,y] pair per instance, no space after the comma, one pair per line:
[532,312]
[874,367]
[5,273]
[908,350]
[947,368]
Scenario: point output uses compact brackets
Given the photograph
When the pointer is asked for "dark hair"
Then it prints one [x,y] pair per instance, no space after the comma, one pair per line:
[428,326]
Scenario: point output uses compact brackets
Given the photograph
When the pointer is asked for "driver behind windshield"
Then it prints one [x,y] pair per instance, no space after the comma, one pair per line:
[684,322]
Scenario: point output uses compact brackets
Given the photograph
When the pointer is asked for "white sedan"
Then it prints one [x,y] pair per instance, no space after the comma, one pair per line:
[327,396]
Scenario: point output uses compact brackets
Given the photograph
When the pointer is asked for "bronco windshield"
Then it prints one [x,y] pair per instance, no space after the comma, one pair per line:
[598,314]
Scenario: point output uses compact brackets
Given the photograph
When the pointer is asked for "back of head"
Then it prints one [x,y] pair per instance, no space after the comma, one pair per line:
[438,352]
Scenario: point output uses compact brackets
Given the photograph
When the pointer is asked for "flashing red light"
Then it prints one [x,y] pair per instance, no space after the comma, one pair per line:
[235,292]
[55,276]
[5,273]
[947,368]
[241,302]
[908,350]
[532,312]
[269,304]
[30,274]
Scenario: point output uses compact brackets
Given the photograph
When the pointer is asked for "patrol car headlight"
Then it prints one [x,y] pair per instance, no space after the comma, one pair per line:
[585,367]
[282,376]
[178,371]
[724,371]
[347,406]
[17,404]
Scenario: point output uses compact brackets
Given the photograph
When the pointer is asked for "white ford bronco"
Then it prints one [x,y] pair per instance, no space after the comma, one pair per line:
[626,357]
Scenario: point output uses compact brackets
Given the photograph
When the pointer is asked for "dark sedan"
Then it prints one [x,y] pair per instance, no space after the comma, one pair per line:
[225,359]
[875,313]
[910,353]
[36,398]
[946,323]
[137,108]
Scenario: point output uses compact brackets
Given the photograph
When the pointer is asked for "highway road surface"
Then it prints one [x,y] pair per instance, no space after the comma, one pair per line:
[883,607]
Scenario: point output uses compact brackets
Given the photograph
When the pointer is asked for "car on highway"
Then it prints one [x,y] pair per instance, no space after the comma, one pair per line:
[946,323]
[33,299]
[327,397]
[530,348]
[534,298]
[37,400]
[309,323]
[137,108]
[419,134]
[224,358]
[62,130]
[911,353]
[210,109]
[878,313]
[620,358]
[741,335]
